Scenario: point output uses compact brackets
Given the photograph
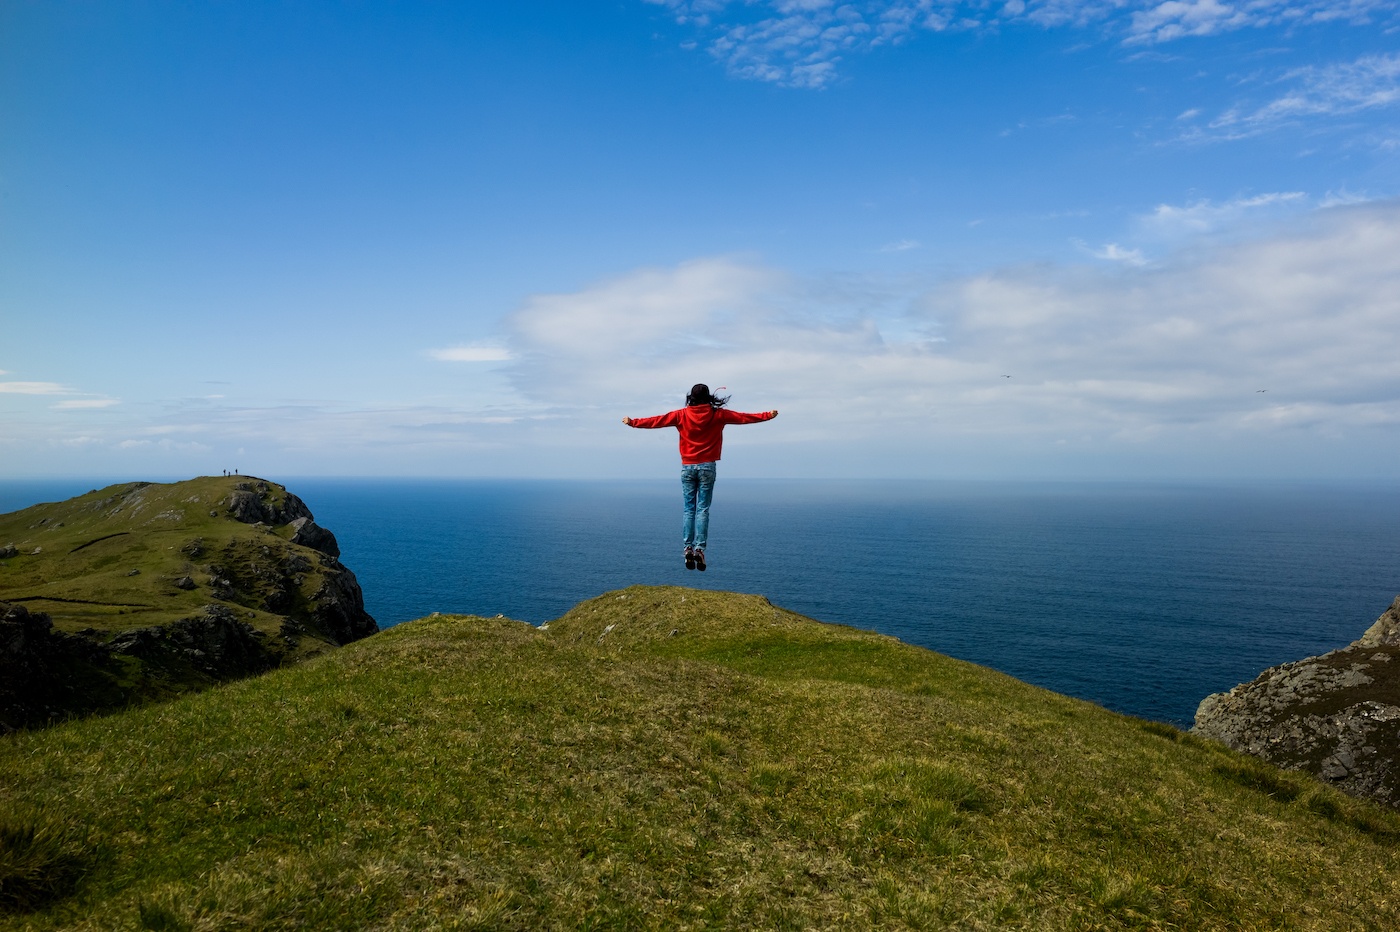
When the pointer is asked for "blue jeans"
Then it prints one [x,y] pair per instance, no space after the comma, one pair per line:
[697,487]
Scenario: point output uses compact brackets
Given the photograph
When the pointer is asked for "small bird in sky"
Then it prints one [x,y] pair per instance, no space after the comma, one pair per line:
[1258,390]
[1006,377]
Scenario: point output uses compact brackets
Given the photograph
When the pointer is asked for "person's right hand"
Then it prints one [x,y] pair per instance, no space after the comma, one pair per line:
[627,421]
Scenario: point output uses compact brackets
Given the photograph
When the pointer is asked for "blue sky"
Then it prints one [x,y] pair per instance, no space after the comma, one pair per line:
[1047,240]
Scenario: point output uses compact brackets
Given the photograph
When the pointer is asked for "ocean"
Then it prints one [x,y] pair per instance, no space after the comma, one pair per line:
[1143,598]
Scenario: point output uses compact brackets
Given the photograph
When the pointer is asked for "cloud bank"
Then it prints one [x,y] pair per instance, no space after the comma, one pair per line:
[1250,340]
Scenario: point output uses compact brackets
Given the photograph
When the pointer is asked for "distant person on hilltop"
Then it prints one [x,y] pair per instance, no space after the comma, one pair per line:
[701,425]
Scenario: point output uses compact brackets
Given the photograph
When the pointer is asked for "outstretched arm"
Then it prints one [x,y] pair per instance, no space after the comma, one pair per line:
[669,419]
[741,417]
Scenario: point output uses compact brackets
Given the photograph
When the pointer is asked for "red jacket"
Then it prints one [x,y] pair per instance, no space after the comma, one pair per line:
[701,427]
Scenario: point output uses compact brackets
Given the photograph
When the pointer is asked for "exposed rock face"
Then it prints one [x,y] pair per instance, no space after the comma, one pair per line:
[216,643]
[1386,631]
[310,534]
[338,607]
[252,504]
[1336,715]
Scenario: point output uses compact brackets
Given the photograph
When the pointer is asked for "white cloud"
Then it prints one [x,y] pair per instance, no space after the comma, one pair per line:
[81,403]
[1309,94]
[1115,253]
[1205,216]
[167,446]
[1051,14]
[1177,18]
[1343,198]
[903,245]
[34,388]
[679,306]
[1334,90]
[470,352]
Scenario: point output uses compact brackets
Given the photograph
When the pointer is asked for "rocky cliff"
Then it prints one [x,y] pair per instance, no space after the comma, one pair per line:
[143,590]
[1336,716]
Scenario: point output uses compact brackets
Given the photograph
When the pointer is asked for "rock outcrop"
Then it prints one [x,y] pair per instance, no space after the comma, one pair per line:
[250,503]
[1336,716]
[215,643]
[310,534]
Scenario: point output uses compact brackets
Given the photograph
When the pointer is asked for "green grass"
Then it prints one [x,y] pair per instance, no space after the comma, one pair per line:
[109,560]
[667,758]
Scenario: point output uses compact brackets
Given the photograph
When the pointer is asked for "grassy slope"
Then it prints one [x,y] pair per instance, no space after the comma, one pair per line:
[89,545]
[708,761]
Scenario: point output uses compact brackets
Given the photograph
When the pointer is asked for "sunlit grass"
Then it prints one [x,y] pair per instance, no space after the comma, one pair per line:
[666,758]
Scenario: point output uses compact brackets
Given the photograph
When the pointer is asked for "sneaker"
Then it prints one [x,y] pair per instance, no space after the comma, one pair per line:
[700,560]
[690,558]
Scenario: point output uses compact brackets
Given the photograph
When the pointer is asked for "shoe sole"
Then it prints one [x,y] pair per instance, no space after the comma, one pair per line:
[689,561]
[700,564]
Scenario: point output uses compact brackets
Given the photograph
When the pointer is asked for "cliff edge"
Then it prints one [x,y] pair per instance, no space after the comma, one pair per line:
[1336,716]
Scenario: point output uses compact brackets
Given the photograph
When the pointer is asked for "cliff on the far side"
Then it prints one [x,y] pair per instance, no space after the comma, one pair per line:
[144,590]
[1336,716]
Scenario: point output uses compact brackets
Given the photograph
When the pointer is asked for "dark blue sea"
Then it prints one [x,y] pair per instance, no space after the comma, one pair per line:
[1143,598]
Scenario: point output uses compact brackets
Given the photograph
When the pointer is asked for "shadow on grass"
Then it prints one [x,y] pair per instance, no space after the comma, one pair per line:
[41,861]
[1330,804]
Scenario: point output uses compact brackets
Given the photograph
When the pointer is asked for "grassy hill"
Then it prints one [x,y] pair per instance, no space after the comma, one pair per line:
[665,758]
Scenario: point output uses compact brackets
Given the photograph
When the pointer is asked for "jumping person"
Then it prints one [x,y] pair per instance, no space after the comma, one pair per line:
[701,425]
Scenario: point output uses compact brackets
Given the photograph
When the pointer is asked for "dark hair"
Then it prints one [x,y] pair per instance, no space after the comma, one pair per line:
[700,395]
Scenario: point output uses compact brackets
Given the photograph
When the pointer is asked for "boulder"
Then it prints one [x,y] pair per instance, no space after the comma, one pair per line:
[310,534]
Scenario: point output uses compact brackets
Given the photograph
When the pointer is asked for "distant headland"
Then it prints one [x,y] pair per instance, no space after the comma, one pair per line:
[145,590]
